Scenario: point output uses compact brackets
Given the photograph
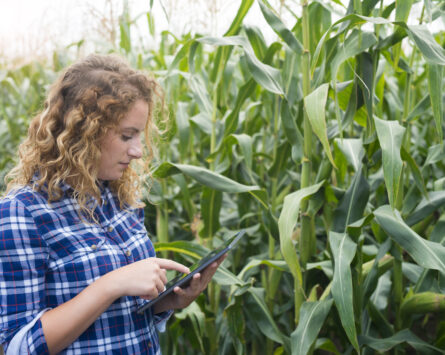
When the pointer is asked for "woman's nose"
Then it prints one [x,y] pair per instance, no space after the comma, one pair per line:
[135,151]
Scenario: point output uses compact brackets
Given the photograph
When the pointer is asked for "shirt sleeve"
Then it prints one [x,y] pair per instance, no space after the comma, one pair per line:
[161,319]
[23,261]
[19,343]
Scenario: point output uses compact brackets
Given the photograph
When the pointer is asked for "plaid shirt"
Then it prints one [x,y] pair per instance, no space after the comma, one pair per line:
[48,256]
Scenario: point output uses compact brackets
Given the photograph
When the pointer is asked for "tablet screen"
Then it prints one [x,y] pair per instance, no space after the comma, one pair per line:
[184,279]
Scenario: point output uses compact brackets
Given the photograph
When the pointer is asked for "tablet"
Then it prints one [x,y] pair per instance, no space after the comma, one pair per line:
[184,279]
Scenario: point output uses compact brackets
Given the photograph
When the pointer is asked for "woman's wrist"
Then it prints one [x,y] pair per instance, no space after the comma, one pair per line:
[110,285]
[164,305]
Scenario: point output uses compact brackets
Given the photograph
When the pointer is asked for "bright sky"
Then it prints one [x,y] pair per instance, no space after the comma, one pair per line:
[37,27]
[30,28]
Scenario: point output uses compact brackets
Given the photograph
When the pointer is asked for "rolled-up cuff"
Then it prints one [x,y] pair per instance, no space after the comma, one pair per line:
[161,319]
[29,339]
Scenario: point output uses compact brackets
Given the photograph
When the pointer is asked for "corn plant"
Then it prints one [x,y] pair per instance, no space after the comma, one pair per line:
[326,145]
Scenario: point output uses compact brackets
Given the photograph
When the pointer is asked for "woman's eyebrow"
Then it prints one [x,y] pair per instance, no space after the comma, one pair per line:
[130,129]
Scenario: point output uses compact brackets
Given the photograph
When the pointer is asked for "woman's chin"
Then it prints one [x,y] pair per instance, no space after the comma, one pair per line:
[111,177]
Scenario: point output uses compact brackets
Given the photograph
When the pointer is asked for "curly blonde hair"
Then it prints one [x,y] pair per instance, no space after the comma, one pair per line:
[89,98]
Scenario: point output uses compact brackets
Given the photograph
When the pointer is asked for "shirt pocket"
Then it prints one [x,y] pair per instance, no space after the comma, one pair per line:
[77,260]
[69,247]
[140,244]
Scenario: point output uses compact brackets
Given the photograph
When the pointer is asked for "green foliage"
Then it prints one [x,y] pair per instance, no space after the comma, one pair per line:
[326,145]
[22,92]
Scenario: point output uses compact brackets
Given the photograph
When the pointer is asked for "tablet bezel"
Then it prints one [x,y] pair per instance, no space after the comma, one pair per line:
[200,266]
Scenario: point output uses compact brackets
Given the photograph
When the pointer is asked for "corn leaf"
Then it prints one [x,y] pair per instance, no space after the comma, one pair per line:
[185,195]
[426,43]
[197,318]
[203,176]
[327,345]
[390,135]
[180,55]
[433,202]
[371,279]
[352,149]
[355,229]
[352,47]
[343,251]
[427,254]
[404,336]
[368,6]
[312,317]
[435,87]
[424,40]
[352,20]
[421,107]
[183,125]
[276,264]
[417,174]
[435,154]
[201,95]
[265,75]
[236,324]
[211,201]
[286,223]
[379,319]
[238,20]
[257,40]
[403,8]
[352,204]
[125,35]
[223,54]
[245,142]
[366,83]
[293,134]
[247,89]
[315,104]
[261,315]
[203,122]
[280,29]
[231,122]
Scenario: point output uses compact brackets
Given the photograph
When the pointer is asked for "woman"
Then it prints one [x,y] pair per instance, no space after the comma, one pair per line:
[75,258]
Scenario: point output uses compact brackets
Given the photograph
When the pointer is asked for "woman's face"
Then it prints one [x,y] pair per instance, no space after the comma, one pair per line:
[121,145]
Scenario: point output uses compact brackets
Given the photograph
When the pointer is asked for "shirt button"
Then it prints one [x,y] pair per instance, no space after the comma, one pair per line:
[93,247]
[150,344]
[128,253]
[110,229]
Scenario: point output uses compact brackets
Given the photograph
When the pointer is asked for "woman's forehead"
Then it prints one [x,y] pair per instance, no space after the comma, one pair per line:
[136,118]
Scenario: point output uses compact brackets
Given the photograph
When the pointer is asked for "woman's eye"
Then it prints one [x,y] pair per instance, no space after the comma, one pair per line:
[125,138]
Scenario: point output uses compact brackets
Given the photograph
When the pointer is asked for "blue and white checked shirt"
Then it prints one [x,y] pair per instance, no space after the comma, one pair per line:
[48,256]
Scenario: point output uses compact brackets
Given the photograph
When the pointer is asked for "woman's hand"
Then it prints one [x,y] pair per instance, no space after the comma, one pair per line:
[182,297]
[145,278]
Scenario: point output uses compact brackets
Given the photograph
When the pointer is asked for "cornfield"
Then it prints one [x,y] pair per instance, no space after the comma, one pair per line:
[326,145]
